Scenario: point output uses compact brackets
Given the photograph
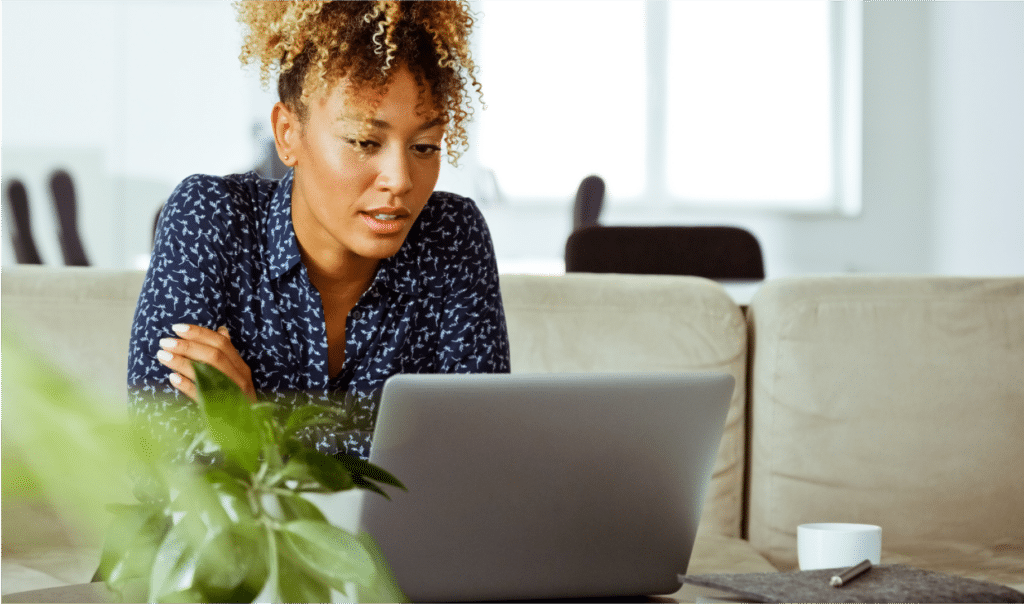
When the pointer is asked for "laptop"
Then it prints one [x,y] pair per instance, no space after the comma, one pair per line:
[541,486]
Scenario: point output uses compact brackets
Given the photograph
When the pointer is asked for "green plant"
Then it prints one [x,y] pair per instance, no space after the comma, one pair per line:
[238,528]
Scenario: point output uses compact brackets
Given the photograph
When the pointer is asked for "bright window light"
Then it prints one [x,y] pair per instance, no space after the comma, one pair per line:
[749,101]
[564,84]
[702,103]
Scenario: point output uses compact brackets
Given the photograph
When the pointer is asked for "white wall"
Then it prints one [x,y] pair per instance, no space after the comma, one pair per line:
[132,97]
[978,137]
[894,230]
[943,191]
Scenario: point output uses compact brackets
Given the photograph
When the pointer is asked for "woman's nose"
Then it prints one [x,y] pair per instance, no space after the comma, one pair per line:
[395,175]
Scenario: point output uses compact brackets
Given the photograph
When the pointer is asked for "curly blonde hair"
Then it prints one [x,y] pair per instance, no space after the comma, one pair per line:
[310,45]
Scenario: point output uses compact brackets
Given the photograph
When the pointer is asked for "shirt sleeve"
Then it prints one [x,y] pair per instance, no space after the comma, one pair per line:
[184,284]
[473,334]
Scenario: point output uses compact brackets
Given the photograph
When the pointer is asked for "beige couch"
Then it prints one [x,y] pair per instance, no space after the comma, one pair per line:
[896,401]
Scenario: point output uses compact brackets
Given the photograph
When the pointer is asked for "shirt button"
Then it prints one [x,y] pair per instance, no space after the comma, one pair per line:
[356,315]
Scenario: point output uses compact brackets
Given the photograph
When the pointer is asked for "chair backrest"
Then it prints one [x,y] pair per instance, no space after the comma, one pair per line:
[64,201]
[712,252]
[16,198]
[589,200]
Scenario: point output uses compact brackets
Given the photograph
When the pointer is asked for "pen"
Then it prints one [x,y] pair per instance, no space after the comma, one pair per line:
[850,574]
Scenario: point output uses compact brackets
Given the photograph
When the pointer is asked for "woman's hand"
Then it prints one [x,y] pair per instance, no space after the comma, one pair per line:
[195,343]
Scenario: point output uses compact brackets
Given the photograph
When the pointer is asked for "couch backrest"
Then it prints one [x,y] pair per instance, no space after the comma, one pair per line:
[896,401]
[81,318]
[614,323]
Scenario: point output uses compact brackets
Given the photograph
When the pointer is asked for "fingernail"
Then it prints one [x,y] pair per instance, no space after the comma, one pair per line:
[180,328]
[175,379]
[168,343]
[163,355]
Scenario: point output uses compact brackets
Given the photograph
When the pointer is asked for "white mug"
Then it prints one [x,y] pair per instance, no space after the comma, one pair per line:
[837,544]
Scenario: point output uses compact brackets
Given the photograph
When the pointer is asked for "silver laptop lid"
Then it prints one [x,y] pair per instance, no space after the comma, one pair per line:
[530,486]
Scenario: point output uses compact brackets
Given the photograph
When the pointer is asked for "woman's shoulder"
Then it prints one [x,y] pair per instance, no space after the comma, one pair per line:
[217,210]
[452,227]
[209,194]
[447,211]
[215,202]
[452,199]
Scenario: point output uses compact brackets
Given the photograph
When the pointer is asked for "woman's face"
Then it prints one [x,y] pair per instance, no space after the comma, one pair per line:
[356,197]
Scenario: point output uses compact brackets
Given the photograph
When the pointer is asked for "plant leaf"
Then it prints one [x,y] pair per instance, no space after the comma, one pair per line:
[204,512]
[269,544]
[309,464]
[232,566]
[185,595]
[333,554]
[367,485]
[174,565]
[229,417]
[131,542]
[310,415]
[385,588]
[270,434]
[296,584]
[360,467]
[297,507]
[234,497]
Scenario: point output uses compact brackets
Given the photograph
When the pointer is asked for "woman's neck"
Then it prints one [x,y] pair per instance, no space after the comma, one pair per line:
[336,276]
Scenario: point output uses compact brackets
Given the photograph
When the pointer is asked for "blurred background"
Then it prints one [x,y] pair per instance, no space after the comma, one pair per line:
[883,137]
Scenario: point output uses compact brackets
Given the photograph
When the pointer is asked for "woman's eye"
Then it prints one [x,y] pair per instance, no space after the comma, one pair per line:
[426,150]
[363,145]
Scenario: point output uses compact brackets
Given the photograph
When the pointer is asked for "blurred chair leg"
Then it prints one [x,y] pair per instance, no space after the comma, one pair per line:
[25,251]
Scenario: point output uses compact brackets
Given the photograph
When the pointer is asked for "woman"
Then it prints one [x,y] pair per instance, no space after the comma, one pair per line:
[351,268]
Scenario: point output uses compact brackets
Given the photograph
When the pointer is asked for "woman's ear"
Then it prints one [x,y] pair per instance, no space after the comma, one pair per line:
[287,132]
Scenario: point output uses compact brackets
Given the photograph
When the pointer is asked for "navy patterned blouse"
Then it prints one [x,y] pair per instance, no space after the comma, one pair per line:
[226,254]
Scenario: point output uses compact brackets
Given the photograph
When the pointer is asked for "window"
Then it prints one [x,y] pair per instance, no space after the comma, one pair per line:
[697,103]
[563,103]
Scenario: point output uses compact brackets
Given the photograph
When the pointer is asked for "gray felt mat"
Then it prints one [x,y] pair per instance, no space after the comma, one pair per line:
[884,583]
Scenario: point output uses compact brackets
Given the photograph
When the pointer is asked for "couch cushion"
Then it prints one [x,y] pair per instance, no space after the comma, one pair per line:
[895,401]
[621,323]
[79,317]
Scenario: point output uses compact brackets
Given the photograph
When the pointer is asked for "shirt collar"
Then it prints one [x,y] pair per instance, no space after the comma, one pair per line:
[283,246]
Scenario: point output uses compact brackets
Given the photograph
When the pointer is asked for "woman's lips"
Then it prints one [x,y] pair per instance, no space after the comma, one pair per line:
[382,223]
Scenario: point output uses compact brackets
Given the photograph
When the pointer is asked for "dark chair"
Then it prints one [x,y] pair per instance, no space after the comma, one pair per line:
[589,200]
[67,215]
[713,252]
[25,251]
